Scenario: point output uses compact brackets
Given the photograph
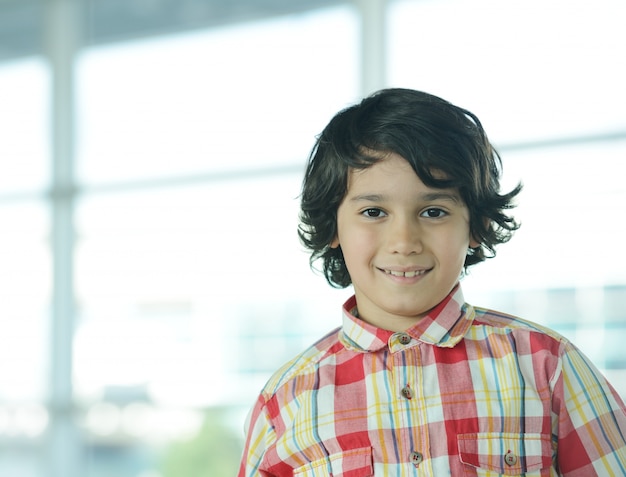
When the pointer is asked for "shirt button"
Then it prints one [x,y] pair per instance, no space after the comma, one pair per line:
[510,459]
[416,458]
[404,339]
[407,392]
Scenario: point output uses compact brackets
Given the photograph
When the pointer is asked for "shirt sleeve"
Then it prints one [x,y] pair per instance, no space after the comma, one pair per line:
[589,419]
[259,434]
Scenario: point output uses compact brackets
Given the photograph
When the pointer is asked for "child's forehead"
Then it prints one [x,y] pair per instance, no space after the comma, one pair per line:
[390,164]
[390,172]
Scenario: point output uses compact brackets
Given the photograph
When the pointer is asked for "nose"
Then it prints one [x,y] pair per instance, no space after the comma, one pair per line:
[404,236]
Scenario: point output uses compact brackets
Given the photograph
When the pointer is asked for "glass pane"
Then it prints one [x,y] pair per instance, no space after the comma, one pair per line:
[139,439]
[25,286]
[570,209]
[23,122]
[530,69]
[24,316]
[172,272]
[242,97]
[178,287]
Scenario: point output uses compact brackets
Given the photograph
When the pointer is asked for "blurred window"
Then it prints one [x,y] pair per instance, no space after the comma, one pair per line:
[231,99]
[191,155]
[25,272]
[25,265]
[24,301]
[530,70]
[24,156]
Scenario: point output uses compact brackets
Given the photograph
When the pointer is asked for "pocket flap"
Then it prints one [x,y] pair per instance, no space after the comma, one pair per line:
[350,463]
[506,453]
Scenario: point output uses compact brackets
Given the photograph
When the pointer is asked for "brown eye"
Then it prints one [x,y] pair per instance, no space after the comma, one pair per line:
[434,213]
[373,213]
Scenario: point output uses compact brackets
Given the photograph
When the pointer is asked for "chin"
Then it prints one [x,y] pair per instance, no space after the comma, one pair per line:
[409,312]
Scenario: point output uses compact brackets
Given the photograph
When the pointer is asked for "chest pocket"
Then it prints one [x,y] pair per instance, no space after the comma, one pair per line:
[352,463]
[494,454]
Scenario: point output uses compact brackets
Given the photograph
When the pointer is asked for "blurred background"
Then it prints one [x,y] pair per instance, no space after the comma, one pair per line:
[151,154]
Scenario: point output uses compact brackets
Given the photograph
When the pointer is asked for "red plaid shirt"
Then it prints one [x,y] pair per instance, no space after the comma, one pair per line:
[464,392]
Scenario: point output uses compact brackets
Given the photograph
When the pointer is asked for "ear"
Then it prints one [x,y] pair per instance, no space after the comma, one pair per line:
[474,243]
[334,243]
[477,243]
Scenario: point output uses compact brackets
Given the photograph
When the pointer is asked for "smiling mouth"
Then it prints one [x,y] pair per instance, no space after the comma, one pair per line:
[407,274]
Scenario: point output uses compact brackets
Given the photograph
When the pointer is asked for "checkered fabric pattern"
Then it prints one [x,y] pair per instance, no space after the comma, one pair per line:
[465,392]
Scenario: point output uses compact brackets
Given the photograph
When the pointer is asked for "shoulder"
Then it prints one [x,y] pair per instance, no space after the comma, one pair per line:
[304,366]
[496,322]
[504,321]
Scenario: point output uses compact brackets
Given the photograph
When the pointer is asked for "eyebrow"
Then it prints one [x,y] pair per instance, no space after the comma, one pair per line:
[431,196]
[369,198]
[428,197]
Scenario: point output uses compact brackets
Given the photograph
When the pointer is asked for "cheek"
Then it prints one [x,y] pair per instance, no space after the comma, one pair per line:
[454,250]
[357,247]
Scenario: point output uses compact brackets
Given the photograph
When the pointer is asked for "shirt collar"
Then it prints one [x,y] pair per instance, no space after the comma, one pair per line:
[444,326]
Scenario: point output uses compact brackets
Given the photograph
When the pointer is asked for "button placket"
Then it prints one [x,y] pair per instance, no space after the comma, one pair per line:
[406,356]
[416,458]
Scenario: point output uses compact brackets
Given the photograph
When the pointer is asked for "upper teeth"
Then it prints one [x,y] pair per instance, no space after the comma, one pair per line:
[413,273]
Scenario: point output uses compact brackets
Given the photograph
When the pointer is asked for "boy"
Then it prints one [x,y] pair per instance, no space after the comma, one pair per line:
[400,197]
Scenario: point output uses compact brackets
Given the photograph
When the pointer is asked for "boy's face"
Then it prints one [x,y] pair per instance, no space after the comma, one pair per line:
[404,243]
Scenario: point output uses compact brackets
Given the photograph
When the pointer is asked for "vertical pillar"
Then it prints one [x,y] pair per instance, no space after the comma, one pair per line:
[61,41]
[373,45]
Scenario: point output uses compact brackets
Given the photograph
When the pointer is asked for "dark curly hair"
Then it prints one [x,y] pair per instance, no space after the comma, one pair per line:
[435,137]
